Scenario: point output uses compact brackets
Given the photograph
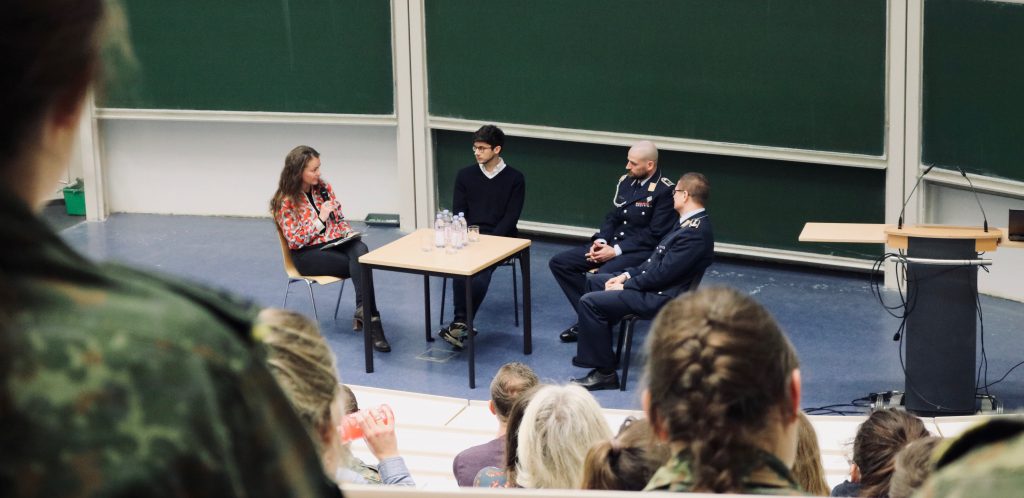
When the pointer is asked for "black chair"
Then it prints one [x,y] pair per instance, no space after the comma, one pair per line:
[515,289]
[626,334]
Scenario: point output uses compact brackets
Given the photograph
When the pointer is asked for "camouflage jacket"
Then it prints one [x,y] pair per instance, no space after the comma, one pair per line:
[985,461]
[120,383]
[769,477]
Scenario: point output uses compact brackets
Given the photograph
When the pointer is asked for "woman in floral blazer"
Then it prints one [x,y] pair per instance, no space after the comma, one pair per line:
[309,215]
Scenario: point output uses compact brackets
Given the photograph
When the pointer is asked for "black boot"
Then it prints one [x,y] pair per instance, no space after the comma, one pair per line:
[357,319]
[380,343]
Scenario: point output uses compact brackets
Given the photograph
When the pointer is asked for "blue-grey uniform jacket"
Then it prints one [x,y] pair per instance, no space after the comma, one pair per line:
[641,215]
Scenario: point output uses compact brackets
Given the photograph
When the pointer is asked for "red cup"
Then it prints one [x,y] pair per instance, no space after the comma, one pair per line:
[350,429]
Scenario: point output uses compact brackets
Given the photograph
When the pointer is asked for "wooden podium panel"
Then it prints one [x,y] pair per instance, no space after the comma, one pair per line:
[983,241]
[878,233]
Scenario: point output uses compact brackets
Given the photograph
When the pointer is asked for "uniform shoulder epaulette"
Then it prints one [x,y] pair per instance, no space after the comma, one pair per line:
[623,177]
[667,182]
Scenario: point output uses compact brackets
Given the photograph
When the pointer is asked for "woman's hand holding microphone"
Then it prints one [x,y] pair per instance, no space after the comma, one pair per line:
[327,208]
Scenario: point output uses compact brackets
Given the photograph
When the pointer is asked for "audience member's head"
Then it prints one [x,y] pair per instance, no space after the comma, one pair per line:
[351,403]
[723,387]
[50,55]
[303,366]
[912,466]
[511,381]
[876,444]
[559,426]
[515,419]
[983,461]
[807,469]
[627,461]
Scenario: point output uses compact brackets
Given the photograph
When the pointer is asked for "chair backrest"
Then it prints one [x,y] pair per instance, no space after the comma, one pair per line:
[696,280]
[286,255]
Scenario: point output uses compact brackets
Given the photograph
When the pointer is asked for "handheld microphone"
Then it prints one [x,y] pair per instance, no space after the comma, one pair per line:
[899,225]
[976,198]
[325,197]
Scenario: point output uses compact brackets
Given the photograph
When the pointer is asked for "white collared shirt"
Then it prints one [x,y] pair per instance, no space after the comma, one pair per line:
[497,169]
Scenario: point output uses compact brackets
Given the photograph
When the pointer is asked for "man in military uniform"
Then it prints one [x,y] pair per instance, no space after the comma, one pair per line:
[642,213]
[679,258]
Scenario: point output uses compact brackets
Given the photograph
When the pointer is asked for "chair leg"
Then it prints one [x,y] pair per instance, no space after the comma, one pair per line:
[622,337]
[312,300]
[625,357]
[338,304]
[287,287]
[444,291]
[515,293]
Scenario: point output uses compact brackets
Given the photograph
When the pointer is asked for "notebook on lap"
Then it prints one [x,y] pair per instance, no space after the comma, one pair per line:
[349,237]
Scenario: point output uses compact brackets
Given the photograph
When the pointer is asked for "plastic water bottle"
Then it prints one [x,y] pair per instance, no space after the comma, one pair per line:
[439,231]
[458,235]
[446,217]
[463,228]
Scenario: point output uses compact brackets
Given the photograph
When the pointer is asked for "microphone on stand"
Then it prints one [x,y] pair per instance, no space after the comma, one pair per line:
[899,226]
[976,198]
[325,197]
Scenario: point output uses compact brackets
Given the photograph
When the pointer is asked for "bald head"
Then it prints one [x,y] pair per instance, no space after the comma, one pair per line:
[642,160]
[646,150]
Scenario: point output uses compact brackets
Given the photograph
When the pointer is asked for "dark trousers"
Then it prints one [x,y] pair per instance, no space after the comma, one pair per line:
[570,268]
[341,262]
[480,282]
[599,310]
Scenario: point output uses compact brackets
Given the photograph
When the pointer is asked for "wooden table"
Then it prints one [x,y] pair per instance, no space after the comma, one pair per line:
[406,255]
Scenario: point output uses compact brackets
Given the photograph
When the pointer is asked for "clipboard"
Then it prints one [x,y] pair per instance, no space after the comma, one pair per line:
[352,235]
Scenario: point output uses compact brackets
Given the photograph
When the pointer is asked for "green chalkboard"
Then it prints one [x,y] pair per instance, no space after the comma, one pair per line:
[311,56]
[807,74]
[973,105]
[754,202]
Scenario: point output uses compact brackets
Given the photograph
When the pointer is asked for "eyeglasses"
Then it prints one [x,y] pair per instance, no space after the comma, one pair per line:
[481,148]
[677,190]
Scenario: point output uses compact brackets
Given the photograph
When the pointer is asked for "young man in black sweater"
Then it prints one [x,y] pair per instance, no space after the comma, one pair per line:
[491,194]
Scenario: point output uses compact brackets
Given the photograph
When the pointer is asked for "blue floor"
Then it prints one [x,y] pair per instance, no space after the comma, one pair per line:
[842,334]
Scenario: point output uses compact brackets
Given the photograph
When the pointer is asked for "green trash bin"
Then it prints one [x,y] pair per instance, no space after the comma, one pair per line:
[74,200]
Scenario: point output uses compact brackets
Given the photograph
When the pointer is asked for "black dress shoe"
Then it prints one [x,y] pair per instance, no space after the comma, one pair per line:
[570,334]
[597,381]
[380,343]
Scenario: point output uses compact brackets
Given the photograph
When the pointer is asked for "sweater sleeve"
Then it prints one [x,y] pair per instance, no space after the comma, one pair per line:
[506,226]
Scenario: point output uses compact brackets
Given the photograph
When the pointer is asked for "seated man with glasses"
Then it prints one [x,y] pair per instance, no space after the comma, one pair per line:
[641,215]
[491,195]
[679,258]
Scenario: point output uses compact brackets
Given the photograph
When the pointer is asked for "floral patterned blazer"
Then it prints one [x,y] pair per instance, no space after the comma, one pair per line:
[300,222]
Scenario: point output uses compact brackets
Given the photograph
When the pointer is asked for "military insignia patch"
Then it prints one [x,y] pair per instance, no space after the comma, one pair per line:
[652,186]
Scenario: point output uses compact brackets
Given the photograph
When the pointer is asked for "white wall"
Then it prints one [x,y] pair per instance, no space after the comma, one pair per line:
[954,206]
[232,169]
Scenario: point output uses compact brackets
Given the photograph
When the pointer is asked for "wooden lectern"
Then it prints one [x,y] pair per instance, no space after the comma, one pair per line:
[941,316]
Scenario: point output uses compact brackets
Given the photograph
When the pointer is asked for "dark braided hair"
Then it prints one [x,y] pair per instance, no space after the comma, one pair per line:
[718,370]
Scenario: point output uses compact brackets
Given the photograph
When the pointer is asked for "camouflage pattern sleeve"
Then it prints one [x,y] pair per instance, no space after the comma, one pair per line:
[121,383]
